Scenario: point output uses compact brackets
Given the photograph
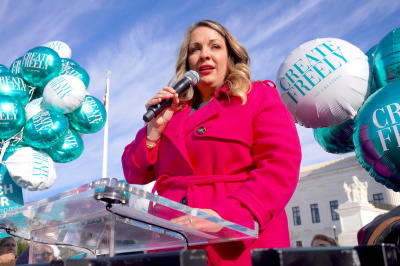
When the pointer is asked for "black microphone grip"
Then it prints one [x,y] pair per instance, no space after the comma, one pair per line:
[156,109]
[180,87]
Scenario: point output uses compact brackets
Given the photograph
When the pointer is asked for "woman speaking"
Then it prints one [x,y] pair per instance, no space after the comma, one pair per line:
[227,146]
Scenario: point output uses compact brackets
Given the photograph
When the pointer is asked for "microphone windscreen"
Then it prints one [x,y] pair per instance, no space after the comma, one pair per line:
[193,76]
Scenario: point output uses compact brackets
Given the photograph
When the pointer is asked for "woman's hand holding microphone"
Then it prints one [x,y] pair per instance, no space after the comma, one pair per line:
[156,126]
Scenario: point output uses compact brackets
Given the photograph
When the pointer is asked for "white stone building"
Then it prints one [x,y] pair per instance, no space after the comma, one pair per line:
[321,205]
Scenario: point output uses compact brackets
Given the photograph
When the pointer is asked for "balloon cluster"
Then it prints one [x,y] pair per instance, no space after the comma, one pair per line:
[351,100]
[44,111]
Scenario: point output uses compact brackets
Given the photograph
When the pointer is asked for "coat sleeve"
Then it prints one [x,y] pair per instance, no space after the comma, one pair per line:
[138,160]
[277,155]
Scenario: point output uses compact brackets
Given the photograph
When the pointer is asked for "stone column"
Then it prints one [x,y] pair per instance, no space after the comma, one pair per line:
[392,197]
[353,216]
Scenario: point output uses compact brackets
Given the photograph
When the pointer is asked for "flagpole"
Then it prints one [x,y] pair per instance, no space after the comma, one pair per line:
[105,144]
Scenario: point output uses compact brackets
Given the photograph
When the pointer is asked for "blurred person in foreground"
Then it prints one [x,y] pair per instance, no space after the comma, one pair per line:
[320,240]
[228,146]
[8,250]
[45,253]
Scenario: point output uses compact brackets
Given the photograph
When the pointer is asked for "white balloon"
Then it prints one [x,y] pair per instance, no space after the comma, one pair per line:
[33,107]
[63,50]
[64,94]
[31,169]
[324,82]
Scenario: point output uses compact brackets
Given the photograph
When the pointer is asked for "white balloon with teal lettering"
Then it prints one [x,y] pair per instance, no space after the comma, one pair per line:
[324,82]
[31,169]
[64,94]
[33,107]
[63,50]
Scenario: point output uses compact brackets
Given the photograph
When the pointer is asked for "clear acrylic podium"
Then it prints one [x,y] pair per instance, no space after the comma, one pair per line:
[108,217]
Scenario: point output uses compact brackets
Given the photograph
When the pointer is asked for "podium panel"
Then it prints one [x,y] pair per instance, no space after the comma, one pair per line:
[171,258]
[382,255]
[108,217]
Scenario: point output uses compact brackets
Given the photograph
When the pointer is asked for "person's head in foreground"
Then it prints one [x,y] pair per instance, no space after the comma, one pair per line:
[320,240]
[8,249]
[45,253]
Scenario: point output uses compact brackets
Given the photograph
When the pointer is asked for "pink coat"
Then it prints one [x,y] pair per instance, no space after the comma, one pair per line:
[242,161]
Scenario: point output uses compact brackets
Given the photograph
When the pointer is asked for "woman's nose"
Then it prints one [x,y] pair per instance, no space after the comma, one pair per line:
[205,53]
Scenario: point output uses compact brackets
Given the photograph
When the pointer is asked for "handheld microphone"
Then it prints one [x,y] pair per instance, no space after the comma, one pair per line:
[190,79]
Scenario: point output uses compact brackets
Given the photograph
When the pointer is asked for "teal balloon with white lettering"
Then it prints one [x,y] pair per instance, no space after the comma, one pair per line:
[3,69]
[376,135]
[11,196]
[68,62]
[387,59]
[45,129]
[90,117]
[64,94]
[12,117]
[69,148]
[78,72]
[324,82]
[31,169]
[15,67]
[39,65]
[15,87]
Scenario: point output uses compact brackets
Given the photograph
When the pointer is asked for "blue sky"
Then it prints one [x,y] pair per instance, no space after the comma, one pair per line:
[137,41]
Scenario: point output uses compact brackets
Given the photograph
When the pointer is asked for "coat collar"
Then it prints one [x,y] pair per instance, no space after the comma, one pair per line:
[205,113]
[183,122]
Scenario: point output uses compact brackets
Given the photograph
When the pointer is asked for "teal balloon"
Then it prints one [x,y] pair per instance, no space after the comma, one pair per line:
[12,117]
[45,129]
[387,59]
[15,67]
[15,198]
[371,55]
[68,62]
[371,60]
[39,65]
[90,117]
[337,139]
[69,148]
[78,72]
[37,93]
[377,138]
[3,69]
[15,87]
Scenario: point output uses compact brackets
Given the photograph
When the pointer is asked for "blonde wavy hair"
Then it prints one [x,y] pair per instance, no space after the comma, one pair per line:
[238,75]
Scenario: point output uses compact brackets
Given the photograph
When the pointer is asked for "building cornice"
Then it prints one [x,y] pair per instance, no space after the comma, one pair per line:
[343,164]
